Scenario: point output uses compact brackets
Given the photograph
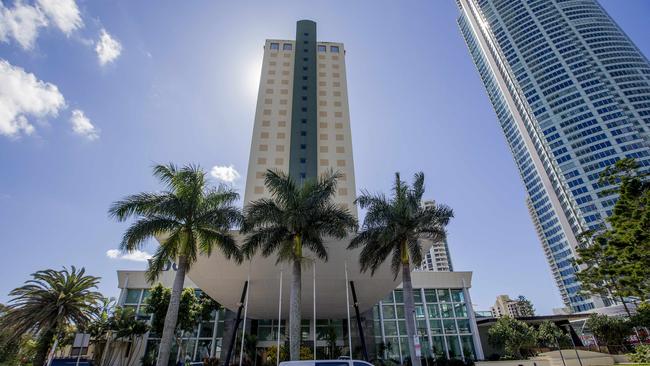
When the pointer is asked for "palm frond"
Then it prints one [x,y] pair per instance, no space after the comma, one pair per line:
[415,250]
[50,300]
[417,191]
[208,238]
[143,204]
[165,173]
[145,229]
[396,260]
[282,187]
[260,213]
[315,244]
[389,223]
[321,191]
[367,199]
[333,220]
[267,239]
[165,253]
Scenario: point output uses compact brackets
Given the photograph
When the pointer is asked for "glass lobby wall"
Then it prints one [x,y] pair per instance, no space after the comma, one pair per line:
[204,340]
[442,319]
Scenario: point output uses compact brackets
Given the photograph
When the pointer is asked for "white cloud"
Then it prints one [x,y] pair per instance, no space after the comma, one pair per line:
[225,173]
[107,48]
[22,95]
[64,13]
[21,23]
[82,126]
[136,256]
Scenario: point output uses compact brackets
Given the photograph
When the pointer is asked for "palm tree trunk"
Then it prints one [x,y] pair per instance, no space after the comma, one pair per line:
[409,311]
[294,311]
[172,314]
[43,346]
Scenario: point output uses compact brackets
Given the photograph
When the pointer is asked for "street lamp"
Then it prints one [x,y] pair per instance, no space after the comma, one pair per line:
[573,344]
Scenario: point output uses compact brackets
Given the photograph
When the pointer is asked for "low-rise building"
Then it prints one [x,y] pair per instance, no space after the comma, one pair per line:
[446,325]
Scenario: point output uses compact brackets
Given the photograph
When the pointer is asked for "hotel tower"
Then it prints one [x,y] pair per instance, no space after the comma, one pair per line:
[572,95]
[302,126]
[302,120]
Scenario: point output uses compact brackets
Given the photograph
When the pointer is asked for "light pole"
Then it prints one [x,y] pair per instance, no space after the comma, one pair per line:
[560,349]
[574,344]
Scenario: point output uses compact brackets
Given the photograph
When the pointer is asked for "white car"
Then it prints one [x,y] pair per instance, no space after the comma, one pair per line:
[326,363]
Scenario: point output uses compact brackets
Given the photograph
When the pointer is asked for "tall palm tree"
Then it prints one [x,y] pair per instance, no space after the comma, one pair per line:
[296,217]
[50,301]
[193,218]
[395,227]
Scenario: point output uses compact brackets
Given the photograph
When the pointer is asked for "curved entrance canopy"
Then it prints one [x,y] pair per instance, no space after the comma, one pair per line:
[223,280]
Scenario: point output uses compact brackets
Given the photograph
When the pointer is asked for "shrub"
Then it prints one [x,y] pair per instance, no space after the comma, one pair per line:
[641,354]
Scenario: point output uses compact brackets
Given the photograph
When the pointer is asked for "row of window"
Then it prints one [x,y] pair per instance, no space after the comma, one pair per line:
[289,47]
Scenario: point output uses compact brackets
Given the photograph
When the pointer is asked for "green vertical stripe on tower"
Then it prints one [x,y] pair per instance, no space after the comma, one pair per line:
[303,151]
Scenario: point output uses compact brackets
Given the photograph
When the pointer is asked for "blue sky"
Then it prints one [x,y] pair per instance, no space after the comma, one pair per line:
[93,93]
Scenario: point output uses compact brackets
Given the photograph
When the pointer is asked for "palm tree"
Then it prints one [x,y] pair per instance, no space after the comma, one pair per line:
[48,303]
[296,217]
[395,227]
[192,217]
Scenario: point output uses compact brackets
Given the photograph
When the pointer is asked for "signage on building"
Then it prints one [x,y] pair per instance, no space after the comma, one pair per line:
[169,265]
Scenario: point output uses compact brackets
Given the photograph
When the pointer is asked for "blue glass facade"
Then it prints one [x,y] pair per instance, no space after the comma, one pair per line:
[572,95]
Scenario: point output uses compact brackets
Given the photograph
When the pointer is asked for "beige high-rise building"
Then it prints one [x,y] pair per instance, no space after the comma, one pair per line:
[505,306]
[438,257]
[302,120]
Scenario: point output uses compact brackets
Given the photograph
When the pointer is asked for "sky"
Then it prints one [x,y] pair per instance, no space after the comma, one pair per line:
[93,93]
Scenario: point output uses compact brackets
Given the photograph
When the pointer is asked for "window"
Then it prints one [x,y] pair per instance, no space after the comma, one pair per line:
[275,46]
[303,175]
[287,47]
[303,146]
[303,120]
[132,296]
[303,161]
[303,133]
[322,48]
[334,49]
[304,98]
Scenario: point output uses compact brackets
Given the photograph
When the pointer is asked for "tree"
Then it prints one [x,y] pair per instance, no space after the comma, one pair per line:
[609,331]
[116,326]
[513,336]
[48,303]
[525,306]
[296,217]
[550,335]
[272,354]
[191,219]
[615,261]
[395,227]
[189,312]
[99,328]
[329,335]
[641,354]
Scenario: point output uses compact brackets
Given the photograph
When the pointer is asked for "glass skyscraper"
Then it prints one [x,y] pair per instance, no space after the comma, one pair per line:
[572,95]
